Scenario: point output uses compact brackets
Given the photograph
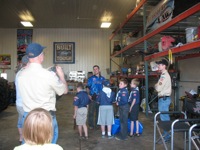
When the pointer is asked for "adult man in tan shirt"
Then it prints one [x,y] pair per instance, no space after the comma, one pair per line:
[38,86]
[164,89]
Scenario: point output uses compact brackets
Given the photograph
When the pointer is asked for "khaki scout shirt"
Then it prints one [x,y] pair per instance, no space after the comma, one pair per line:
[38,88]
[163,87]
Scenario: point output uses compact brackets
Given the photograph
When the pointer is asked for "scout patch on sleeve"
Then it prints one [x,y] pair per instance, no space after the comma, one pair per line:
[75,98]
[162,78]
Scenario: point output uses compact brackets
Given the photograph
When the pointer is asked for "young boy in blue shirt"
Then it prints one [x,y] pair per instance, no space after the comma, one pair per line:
[122,101]
[134,100]
[81,101]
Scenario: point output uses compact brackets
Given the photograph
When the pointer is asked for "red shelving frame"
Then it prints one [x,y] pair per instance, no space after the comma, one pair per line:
[175,20]
[185,47]
[135,76]
[187,56]
[174,50]
[128,18]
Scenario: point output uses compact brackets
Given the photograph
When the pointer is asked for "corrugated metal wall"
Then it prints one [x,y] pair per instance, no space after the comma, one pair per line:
[91,47]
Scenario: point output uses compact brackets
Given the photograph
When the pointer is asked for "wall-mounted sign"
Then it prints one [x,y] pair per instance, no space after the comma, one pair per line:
[24,37]
[160,15]
[5,61]
[64,52]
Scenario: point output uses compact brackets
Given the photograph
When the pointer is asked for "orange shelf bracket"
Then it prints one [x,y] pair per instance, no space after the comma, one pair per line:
[174,50]
[128,18]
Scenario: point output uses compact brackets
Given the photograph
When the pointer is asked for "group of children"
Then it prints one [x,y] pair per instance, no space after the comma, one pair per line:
[40,119]
[127,103]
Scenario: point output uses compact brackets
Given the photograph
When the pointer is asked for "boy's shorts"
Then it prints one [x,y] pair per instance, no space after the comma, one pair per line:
[81,116]
[134,112]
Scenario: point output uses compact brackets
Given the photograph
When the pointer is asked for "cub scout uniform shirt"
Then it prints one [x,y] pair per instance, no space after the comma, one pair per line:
[122,96]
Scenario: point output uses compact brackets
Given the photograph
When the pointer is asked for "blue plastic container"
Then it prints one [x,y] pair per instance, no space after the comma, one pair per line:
[134,130]
[116,127]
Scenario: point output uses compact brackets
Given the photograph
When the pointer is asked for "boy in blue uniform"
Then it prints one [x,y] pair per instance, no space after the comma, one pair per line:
[122,101]
[106,113]
[134,100]
[81,101]
[94,86]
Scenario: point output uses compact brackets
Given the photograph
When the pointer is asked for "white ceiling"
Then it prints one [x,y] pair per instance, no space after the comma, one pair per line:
[64,13]
[76,13]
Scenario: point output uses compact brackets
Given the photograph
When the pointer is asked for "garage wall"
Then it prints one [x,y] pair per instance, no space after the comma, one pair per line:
[189,75]
[8,45]
[91,47]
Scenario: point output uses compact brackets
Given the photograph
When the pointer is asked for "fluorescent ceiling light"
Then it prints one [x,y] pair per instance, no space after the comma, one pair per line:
[26,23]
[105,24]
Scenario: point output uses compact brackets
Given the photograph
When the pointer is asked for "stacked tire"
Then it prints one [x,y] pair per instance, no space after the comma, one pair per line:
[4,94]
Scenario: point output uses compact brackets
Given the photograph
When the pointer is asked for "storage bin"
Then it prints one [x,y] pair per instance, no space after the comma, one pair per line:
[134,130]
[115,127]
[190,34]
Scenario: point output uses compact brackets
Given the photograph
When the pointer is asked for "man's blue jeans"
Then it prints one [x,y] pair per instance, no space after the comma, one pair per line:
[163,105]
[55,130]
[55,127]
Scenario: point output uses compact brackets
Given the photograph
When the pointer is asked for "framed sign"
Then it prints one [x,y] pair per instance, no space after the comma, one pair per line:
[5,61]
[160,15]
[24,37]
[64,52]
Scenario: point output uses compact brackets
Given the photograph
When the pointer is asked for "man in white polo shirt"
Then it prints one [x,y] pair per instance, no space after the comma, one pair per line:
[38,86]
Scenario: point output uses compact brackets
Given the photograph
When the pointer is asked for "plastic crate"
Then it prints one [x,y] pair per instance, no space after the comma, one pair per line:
[116,127]
[134,130]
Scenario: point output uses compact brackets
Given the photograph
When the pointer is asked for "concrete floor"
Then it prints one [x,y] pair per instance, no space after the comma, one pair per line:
[68,137]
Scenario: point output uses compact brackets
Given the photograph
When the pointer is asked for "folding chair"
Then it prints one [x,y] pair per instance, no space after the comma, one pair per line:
[178,125]
[196,136]
[165,125]
[182,125]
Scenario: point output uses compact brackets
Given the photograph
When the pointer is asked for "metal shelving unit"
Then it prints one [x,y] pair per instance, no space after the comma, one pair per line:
[184,18]
[175,20]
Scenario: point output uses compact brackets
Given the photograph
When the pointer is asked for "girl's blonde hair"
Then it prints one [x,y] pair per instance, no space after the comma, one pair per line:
[38,127]
[135,81]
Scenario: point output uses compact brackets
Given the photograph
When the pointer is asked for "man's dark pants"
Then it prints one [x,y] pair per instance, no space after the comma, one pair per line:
[93,112]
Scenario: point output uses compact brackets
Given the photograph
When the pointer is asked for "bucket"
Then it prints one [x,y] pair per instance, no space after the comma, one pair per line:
[190,34]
